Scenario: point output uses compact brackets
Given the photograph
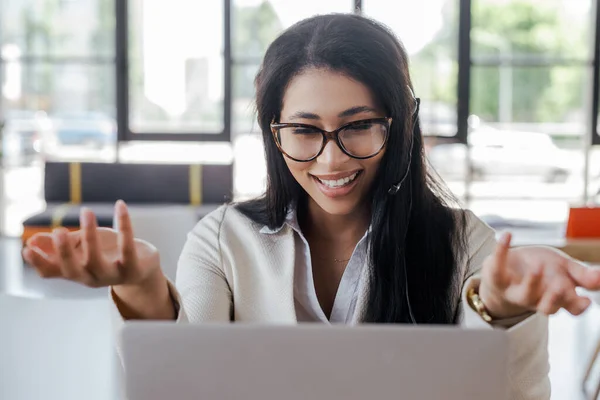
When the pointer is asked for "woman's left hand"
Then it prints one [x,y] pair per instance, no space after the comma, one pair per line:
[534,279]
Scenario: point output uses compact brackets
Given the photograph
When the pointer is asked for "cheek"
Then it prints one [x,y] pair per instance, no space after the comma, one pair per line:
[298,170]
[372,166]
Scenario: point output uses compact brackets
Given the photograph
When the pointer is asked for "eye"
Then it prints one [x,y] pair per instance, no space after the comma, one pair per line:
[360,127]
[304,130]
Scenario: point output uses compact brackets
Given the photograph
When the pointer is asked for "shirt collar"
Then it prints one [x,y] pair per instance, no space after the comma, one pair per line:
[291,220]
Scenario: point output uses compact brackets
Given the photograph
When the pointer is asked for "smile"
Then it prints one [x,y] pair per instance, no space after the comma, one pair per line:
[338,183]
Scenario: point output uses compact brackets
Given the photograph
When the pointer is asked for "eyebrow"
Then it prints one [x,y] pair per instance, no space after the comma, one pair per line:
[356,110]
[346,113]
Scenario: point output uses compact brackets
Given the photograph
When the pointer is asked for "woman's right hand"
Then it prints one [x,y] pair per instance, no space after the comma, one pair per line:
[98,257]
[95,256]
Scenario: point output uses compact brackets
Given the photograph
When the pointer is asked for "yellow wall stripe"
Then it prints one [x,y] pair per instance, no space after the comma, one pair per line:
[75,183]
[195,184]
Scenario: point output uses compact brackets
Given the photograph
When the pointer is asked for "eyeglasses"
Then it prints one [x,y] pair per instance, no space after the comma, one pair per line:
[358,139]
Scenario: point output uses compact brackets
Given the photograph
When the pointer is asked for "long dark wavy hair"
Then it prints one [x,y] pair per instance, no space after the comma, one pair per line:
[417,241]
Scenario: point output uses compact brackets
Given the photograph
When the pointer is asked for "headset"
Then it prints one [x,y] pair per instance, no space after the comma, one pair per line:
[415,116]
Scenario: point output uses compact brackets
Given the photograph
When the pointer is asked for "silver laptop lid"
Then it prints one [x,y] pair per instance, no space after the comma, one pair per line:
[252,362]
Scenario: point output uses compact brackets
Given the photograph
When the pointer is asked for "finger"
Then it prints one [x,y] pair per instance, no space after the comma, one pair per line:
[75,238]
[88,223]
[45,242]
[125,237]
[576,304]
[70,266]
[554,298]
[586,277]
[498,270]
[44,267]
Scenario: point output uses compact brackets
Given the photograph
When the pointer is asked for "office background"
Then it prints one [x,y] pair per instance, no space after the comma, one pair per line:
[509,89]
[164,82]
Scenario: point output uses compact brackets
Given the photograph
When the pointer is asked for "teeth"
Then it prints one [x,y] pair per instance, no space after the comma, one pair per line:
[340,182]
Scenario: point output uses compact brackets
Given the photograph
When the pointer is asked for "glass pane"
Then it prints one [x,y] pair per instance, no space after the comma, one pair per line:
[428,30]
[527,135]
[509,95]
[51,112]
[57,28]
[69,107]
[243,108]
[526,28]
[176,66]
[256,23]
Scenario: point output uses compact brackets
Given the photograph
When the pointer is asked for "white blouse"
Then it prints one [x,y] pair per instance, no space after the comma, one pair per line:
[306,301]
[233,269]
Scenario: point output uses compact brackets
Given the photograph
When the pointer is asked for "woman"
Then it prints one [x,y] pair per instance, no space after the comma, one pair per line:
[351,228]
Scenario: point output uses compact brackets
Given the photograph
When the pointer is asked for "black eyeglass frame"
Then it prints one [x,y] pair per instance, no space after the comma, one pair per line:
[332,135]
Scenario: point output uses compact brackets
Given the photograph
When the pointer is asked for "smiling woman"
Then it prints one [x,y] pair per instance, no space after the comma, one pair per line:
[351,228]
[336,174]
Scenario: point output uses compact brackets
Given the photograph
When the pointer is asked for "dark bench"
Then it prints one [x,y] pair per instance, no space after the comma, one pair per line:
[70,186]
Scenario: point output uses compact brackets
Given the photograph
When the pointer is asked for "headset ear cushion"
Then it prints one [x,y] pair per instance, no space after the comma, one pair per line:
[417,106]
[416,100]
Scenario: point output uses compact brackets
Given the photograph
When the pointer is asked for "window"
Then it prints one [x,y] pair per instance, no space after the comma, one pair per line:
[176,67]
[529,92]
[58,93]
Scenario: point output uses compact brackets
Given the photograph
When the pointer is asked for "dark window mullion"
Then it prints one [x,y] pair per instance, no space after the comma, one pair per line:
[122,70]
[595,138]
[464,70]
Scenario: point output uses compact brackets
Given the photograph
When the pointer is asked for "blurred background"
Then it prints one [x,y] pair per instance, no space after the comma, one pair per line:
[509,106]
[509,92]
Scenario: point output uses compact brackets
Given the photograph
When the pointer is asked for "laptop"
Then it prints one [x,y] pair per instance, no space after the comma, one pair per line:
[312,361]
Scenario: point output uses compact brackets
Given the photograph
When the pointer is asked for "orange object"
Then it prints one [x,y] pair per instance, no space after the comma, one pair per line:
[584,222]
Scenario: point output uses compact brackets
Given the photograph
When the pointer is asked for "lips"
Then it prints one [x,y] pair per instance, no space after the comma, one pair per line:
[337,185]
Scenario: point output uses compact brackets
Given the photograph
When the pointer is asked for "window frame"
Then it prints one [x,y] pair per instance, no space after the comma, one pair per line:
[124,133]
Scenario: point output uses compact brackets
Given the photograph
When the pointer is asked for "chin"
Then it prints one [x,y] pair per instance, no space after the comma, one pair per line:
[337,207]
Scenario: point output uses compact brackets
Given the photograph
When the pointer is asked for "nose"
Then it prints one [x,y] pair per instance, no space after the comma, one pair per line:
[332,155]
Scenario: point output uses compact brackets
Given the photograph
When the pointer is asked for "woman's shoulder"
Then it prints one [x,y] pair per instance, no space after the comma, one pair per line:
[228,217]
[475,225]
[480,237]
[227,235]
[470,222]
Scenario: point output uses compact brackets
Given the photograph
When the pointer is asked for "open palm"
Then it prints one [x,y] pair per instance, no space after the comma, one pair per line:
[93,256]
[533,278]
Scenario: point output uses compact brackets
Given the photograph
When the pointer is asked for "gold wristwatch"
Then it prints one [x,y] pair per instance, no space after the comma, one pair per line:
[475,302]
